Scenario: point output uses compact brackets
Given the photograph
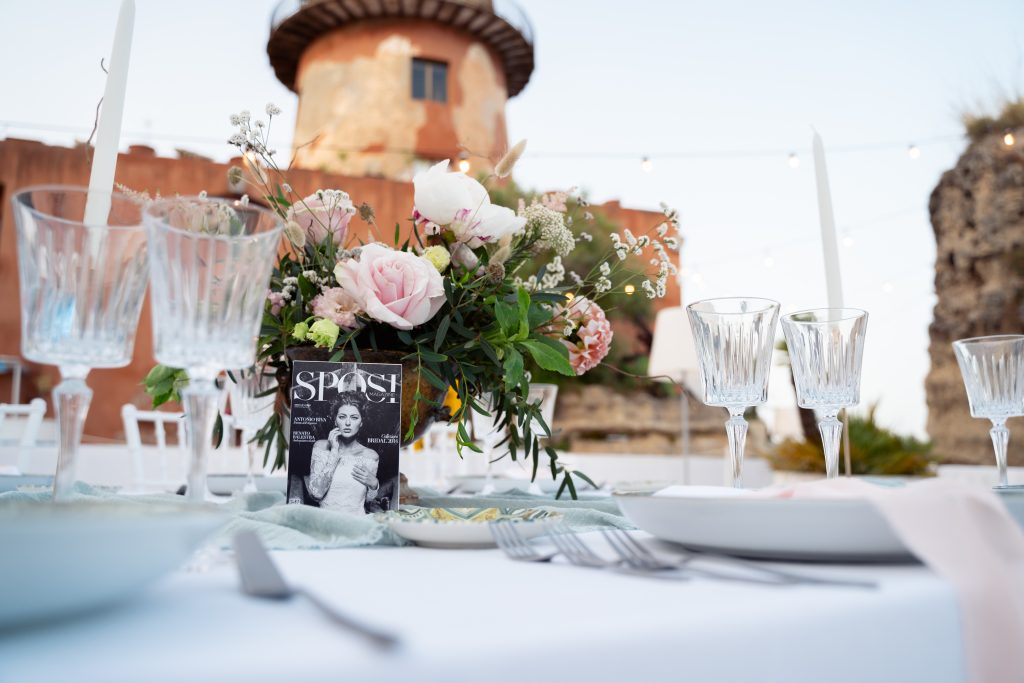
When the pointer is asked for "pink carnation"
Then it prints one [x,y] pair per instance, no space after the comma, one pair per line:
[591,336]
[277,302]
[336,305]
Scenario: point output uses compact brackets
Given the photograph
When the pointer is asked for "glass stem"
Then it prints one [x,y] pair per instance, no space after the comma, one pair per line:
[250,449]
[1000,440]
[200,397]
[736,428]
[71,400]
[831,431]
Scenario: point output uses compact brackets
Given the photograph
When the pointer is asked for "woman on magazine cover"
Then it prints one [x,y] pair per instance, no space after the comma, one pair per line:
[343,472]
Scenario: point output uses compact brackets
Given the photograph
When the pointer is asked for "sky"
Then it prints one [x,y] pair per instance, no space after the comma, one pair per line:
[716,94]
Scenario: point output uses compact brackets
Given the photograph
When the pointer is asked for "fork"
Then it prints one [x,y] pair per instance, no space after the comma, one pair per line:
[634,554]
[515,546]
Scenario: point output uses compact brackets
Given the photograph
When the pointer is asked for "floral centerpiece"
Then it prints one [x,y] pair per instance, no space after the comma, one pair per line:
[461,301]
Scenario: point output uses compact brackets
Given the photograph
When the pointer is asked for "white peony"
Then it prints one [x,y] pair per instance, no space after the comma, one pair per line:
[456,201]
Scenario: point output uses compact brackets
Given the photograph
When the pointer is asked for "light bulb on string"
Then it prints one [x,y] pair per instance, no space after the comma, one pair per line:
[629,289]
[913,151]
[794,160]
[646,165]
[463,163]
[1009,139]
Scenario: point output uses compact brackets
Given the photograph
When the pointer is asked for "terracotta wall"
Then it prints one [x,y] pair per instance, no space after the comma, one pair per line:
[356,110]
[24,163]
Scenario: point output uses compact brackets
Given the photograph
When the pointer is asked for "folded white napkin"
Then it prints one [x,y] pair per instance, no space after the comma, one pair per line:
[964,534]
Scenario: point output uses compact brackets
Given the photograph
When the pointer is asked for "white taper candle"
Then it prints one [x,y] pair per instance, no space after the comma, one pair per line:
[108,132]
[833,281]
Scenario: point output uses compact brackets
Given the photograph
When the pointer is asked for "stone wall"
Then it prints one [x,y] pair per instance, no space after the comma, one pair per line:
[596,419]
[977,213]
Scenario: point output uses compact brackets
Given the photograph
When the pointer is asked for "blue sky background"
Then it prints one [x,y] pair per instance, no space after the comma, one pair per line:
[733,85]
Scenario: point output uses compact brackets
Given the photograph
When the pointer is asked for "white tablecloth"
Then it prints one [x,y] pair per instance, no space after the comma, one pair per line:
[475,616]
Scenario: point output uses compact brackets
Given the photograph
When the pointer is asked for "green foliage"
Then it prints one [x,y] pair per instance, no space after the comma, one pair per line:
[625,367]
[873,450]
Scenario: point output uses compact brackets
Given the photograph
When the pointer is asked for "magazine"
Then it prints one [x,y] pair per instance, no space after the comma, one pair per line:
[345,436]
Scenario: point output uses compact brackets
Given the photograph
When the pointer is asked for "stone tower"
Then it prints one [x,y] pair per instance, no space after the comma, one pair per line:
[977,213]
[387,87]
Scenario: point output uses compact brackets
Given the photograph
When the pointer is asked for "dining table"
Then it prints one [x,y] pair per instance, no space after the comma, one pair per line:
[475,615]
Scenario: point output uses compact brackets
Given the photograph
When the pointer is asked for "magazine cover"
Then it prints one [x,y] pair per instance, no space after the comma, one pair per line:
[343,447]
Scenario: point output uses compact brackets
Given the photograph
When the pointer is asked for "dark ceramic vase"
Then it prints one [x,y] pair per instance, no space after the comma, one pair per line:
[410,378]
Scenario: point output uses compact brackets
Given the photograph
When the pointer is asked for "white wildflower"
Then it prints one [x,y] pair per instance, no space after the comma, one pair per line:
[238,140]
[286,187]
[587,216]
[244,201]
[606,269]
[622,252]
[202,195]
[234,119]
[549,228]
[586,237]
[243,117]
[575,277]
[662,229]
[602,285]
[630,239]
[273,109]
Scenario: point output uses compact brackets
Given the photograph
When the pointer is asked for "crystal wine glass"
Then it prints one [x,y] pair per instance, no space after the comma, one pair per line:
[734,338]
[82,287]
[825,350]
[488,432]
[211,261]
[993,371]
[252,393]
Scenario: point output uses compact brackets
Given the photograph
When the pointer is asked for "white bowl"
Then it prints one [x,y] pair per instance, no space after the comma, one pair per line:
[62,559]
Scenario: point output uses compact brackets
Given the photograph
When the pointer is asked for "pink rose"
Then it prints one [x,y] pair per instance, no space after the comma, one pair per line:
[590,336]
[394,287]
[338,306]
[323,212]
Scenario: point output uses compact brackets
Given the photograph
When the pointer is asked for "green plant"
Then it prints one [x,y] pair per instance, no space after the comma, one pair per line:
[873,450]
[980,125]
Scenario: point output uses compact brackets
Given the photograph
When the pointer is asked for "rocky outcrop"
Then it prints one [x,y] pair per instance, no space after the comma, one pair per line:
[977,213]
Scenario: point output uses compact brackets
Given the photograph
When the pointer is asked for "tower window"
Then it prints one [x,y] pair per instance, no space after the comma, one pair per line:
[429,80]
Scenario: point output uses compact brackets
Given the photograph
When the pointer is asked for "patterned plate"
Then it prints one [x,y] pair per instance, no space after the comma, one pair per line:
[465,527]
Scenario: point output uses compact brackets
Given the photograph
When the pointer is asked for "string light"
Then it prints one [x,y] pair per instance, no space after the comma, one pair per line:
[646,165]
[463,163]
[794,160]
[1008,139]
[629,289]
[913,151]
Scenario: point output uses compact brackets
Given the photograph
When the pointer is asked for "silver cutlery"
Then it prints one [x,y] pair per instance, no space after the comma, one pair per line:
[515,546]
[261,579]
[636,555]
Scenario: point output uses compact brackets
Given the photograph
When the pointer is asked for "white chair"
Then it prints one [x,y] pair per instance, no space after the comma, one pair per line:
[30,417]
[132,417]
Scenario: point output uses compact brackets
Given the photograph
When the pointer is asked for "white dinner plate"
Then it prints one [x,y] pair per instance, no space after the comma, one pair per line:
[502,484]
[465,527]
[226,484]
[64,559]
[830,530]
